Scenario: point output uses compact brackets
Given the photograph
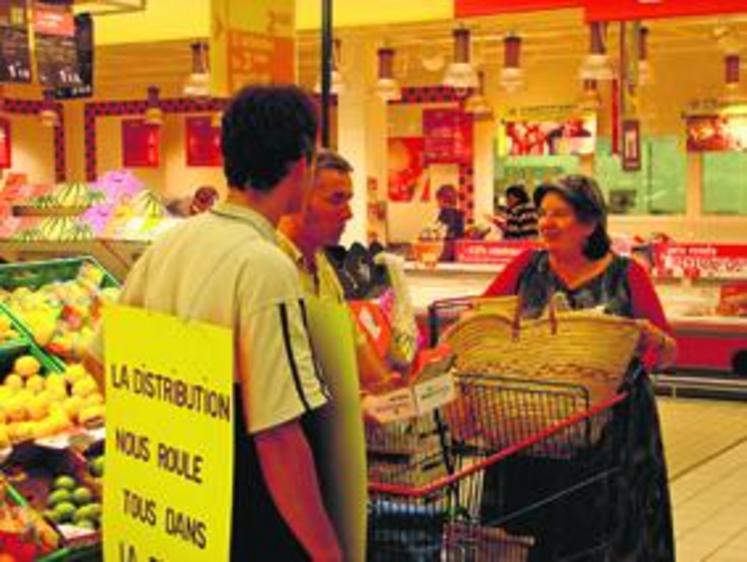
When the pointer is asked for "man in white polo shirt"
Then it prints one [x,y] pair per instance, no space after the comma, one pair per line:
[224,267]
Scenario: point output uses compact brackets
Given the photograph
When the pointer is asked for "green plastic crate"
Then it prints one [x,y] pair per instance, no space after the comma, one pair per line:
[9,353]
[34,274]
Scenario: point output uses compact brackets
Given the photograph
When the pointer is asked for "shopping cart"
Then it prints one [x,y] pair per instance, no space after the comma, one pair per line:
[492,486]
[512,470]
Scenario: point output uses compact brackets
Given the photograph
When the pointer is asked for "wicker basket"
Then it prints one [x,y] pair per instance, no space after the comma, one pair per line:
[427,252]
[578,348]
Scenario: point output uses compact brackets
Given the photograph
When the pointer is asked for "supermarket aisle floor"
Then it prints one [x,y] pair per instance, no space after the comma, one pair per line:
[706,444]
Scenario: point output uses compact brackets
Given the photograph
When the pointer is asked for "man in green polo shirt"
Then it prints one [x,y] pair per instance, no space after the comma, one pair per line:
[304,235]
[224,267]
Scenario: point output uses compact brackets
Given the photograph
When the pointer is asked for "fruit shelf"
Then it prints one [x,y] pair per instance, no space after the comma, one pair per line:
[55,303]
[34,473]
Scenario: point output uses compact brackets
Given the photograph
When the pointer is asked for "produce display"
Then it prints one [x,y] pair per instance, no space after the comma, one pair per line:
[35,405]
[57,488]
[61,315]
[24,534]
[7,332]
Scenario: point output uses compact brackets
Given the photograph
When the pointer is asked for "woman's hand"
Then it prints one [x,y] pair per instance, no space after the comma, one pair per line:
[656,341]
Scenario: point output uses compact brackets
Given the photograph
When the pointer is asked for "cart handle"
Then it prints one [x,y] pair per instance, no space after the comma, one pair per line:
[417,492]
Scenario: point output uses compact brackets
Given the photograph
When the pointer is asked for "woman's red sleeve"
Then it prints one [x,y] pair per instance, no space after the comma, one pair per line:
[646,305]
[507,281]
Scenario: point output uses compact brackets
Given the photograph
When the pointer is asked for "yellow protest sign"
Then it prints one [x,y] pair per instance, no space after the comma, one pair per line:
[169,438]
[251,42]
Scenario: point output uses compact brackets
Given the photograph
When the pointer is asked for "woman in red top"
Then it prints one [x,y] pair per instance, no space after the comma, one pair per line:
[578,266]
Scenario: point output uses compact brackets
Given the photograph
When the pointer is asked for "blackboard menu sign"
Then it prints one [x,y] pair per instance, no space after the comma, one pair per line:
[15,52]
[54,39]
[84,48]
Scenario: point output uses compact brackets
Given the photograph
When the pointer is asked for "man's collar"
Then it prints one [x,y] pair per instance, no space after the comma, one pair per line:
[239,212]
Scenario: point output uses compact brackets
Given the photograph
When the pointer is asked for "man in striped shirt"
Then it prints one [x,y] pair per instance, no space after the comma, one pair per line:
[224,267]
[520,220]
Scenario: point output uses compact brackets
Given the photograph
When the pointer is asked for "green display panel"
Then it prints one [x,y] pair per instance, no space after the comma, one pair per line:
[658,188]
[725,183]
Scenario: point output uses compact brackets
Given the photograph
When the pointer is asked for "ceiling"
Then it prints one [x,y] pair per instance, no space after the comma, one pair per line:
[547,36]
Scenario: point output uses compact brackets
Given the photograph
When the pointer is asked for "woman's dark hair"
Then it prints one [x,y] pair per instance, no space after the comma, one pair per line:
[583,194]
[519,192]
[266,129]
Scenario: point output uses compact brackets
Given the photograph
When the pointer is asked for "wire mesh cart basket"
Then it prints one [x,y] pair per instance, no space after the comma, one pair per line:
[504,472]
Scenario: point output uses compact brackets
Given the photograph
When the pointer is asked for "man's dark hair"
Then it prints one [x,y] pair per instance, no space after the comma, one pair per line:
[266,129]
[327,159]
[519,191]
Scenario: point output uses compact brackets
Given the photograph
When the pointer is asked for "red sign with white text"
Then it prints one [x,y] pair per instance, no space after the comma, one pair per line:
[715,261]
[5,150]
[448,136]
[53,20]
[140,144]
[490,252]
[203,142]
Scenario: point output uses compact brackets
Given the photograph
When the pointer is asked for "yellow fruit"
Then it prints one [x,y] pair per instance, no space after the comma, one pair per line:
[84,387]
[15,410]
[14,382]
[72,406]
[59,422]
[43,331]
[18,432]
[94,399]
[92,415]
[75,372]
[43,429]
[26,366]
[3,417]
[38,409]
[35,383]
[55,380]
[4,439]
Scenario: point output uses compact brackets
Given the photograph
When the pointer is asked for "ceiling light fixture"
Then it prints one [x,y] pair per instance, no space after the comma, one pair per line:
[49,115]
[596,65]
[198,83]
[153,112]
[512,76]
[460,74]
[387,87]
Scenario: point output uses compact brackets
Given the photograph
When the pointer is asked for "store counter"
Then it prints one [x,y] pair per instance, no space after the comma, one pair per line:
[708,343]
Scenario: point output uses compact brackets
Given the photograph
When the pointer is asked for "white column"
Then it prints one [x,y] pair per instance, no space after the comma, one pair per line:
[484,163]
[361,125]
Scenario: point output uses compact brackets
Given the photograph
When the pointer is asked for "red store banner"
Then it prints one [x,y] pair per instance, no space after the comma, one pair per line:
[603,10]
[140,144]
[5,147]
[695,260]
[471,8]
[203,142]
[495,252]
[448,136]
[619,10]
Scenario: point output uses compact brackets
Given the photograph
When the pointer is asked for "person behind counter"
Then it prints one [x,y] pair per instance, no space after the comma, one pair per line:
[578,264]
[520,220]
[451,218]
